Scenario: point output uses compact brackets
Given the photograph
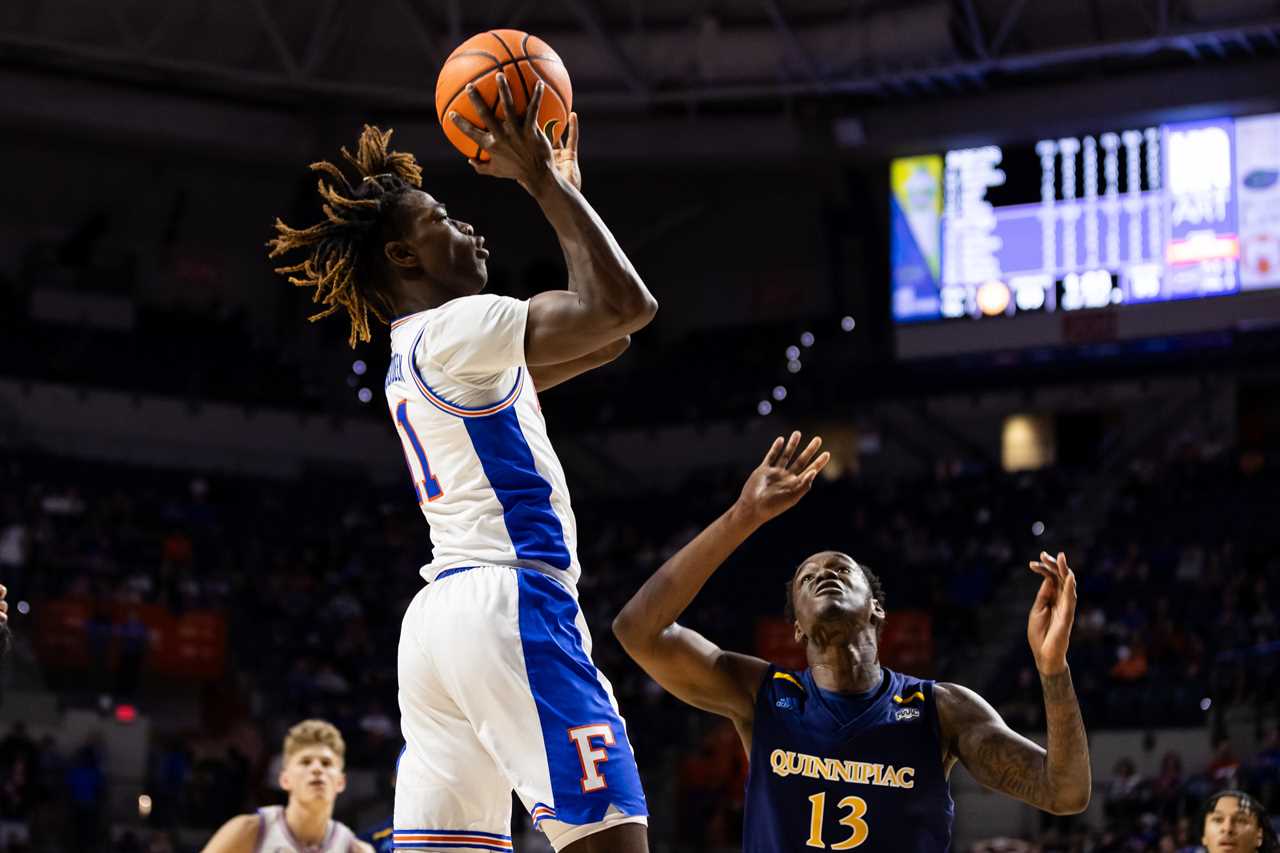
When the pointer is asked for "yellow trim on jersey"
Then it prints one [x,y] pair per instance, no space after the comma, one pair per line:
[914,696]
[786,676]
[383,833]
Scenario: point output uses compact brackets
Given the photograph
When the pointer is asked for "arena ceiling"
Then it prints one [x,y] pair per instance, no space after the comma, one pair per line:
[628,56]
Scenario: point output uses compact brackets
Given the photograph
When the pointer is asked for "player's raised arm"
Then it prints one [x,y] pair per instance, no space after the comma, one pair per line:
[683,661]
[238,835]
[605,299]
[1057,779]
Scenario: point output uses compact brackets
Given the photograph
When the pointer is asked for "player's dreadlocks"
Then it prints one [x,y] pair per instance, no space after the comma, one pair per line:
[345,247]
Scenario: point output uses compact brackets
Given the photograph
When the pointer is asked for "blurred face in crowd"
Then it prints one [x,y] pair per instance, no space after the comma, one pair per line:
[313,776]
[1229,828]
[830,590]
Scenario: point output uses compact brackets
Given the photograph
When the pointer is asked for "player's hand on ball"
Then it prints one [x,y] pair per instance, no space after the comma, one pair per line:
[565,150]
[517,147]
[782,479]
[1052,614]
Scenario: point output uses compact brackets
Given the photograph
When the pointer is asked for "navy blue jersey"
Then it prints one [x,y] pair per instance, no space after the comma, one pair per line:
[379,837]
[872,782]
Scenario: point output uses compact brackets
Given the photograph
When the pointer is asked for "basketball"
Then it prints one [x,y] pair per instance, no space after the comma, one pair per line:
[525,59]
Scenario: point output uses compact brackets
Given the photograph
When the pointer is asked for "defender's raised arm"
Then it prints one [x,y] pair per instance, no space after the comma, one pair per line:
[683,661]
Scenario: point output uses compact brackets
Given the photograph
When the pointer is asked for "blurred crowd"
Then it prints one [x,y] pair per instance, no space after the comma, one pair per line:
[313,575]
[1180,598]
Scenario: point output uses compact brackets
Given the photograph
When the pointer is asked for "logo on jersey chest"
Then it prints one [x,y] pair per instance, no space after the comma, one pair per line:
[907,714]
[786,763]
[787,703]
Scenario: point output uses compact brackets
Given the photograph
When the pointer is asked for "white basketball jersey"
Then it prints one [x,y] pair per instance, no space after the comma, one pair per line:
[274,835]
[484,472]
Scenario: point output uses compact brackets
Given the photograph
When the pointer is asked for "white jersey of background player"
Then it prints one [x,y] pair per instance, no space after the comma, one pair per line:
[312,774]
[497,688]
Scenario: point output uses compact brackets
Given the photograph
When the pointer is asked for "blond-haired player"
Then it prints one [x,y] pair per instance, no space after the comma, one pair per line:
[314,756]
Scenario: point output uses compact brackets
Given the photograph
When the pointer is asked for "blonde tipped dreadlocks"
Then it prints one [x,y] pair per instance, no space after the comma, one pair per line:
[340,244]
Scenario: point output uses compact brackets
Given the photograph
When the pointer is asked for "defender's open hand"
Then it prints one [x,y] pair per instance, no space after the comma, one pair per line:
[1052,614]
[782,479]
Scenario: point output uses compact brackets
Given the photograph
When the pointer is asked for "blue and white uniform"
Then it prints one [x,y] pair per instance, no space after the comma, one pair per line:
[497,688]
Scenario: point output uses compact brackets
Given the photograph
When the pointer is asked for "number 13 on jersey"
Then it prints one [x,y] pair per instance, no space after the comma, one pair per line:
[428,487]
[854,820]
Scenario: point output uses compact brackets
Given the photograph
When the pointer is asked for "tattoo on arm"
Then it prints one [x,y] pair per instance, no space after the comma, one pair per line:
[1067,760]
[1056,780]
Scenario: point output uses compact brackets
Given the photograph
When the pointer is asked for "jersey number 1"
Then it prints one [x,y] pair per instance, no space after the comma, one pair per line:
[429,488]
[854,820]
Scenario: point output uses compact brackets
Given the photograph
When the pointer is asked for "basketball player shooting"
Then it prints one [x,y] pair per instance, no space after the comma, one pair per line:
[847,753]
[314,755]
[497,688]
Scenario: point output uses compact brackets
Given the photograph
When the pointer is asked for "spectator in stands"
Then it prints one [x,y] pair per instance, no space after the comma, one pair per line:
[86,788]
[1224,767]
[1125,794]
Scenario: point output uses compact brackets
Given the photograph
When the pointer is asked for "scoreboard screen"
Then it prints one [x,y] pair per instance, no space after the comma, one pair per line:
[1135,215]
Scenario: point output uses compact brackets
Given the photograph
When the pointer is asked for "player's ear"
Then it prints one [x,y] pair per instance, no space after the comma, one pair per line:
[799,633]
[340,784]
[400,254]
[283,778]
[877,609]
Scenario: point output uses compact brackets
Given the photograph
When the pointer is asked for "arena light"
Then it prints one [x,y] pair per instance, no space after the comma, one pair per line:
[847,323]
[764,407]
[126,713]
[780,393]
[144,805]
[24,608]
[358,367]
[1037,529]
[365,395]
[807,339]
[793,366]
[793,352]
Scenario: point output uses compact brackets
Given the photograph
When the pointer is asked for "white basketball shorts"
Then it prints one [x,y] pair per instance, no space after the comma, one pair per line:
[498,693]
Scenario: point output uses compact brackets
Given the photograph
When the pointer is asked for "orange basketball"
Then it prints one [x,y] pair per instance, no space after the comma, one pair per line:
[525,59]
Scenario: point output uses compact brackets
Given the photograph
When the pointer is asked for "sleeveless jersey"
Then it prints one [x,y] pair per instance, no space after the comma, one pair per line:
[875,783]
[274,836]
[484,472]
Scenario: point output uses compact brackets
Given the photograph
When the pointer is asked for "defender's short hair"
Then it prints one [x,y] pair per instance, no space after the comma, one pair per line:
[314,733]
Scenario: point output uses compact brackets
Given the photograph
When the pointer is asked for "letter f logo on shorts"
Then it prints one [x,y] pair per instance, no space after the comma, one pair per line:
[590,756]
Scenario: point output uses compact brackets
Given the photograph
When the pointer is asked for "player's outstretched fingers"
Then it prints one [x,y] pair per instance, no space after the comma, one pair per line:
[806,456]
[1053,564]
[508,103]
[479,136]
[773,453]
[482,109]
[1042,570]
[572,144]
[814,468]
[789,452]
[531,112]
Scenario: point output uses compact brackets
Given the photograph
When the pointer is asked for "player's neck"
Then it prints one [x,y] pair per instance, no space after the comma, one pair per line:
[410,297]
[309,825]
[844,662]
